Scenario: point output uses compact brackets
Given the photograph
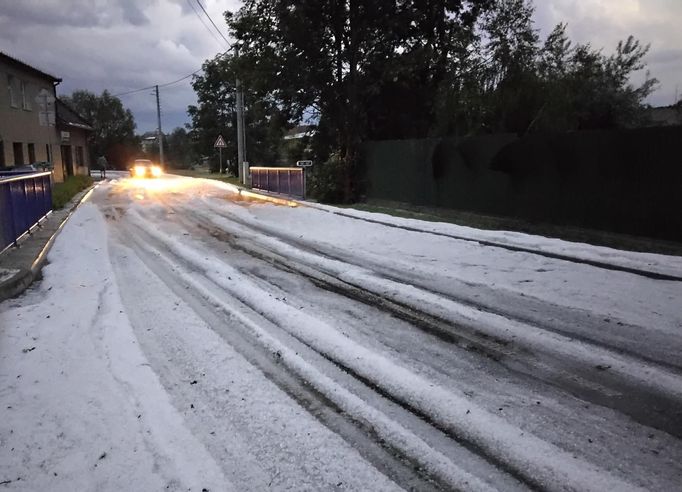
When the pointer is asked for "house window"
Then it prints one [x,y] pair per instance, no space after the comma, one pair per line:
[2,154]
[48,154]
[25,100]
[18,149]
[10,89]
[31,153]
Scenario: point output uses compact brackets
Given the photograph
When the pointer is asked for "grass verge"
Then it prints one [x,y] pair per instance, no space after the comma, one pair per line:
[206,175]
[497,223]
[62,193]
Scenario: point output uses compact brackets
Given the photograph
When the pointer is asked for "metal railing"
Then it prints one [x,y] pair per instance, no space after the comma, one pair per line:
[24,201]
[283,180]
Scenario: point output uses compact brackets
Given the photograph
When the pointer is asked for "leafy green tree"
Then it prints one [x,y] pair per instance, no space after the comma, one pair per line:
[178,149]
[114,126]
[555,86]
[585,89]
[368,69]
[215,114]
[510,81]
[364,69]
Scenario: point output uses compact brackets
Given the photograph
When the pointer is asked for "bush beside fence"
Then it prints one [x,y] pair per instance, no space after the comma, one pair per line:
[627,181]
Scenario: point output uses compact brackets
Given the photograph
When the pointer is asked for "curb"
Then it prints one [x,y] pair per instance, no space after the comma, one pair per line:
[20,281]
[293,202]
[16,284]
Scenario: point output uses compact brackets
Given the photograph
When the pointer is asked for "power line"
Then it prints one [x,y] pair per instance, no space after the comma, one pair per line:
[216,27]
[159,85]
[168,83]
[181,78]
[133,91]
[203,22]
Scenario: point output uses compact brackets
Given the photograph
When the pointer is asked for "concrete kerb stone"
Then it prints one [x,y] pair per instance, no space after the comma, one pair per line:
[29,268]
[293,202]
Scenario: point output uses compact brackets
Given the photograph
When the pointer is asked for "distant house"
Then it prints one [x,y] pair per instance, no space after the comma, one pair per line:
[299,132]
[35,127]
[665,116]
[73,134]
[296,145]
[148,141]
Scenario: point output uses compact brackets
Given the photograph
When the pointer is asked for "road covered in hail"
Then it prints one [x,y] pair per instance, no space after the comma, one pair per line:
[187,338]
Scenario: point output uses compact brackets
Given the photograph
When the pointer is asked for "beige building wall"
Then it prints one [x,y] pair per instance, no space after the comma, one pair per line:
[24,140]
[75,149]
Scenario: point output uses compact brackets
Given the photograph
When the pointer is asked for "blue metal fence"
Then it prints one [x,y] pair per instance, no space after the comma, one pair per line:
[24,200]
[284,180]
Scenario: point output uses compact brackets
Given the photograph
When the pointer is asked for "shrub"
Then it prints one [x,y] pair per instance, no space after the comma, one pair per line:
[62,193]
[326,182]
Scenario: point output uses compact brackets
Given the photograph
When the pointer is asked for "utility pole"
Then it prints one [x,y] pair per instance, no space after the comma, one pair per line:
[239,96]
[159,134]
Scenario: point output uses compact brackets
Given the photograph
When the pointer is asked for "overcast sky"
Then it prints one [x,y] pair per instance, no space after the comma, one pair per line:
[123,45]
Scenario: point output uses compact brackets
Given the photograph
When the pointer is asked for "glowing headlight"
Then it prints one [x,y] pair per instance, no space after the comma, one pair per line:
[156,171]
[140,171]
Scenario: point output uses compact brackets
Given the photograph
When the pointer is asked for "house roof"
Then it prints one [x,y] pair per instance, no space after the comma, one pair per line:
[4,57]
[300,131]
[148,136]
[666,115]
[68,117]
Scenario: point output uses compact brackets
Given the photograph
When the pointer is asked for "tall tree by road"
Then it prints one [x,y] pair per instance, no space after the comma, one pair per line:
[215,113]
[179,152]
[366,70]
[529,86]
[114,135]
[355,63]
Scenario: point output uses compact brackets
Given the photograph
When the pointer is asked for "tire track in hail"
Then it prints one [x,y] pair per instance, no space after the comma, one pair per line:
[513,466]
[398,464]
[594,385]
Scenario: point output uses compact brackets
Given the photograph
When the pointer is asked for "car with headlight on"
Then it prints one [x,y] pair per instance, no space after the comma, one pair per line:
[144,168]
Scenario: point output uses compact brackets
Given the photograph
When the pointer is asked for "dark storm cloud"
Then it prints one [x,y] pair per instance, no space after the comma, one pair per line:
[75,13]
[184,6]
[50,13]
[132,13]
[116,45]
[121,45]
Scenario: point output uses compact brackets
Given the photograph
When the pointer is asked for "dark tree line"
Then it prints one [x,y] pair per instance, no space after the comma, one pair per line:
[114,132]
[363,70]
[215,114]
[114,126]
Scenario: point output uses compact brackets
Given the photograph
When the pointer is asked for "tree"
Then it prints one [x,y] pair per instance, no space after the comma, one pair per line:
[114,126]
[407,69]
[510,80]
[366,68]
[215,114]
[555,86]
[178,149]
[584,89]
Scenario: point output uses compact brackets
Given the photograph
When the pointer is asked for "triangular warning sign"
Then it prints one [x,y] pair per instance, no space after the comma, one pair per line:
[220,142]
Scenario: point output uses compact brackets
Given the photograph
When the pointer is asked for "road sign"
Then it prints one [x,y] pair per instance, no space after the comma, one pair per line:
[304,163]
[220,142]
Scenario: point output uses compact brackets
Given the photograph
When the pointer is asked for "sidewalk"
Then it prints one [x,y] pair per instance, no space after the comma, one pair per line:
[19,267]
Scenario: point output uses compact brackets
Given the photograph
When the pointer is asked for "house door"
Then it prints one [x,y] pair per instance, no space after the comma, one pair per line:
[18,149]
[67,160]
